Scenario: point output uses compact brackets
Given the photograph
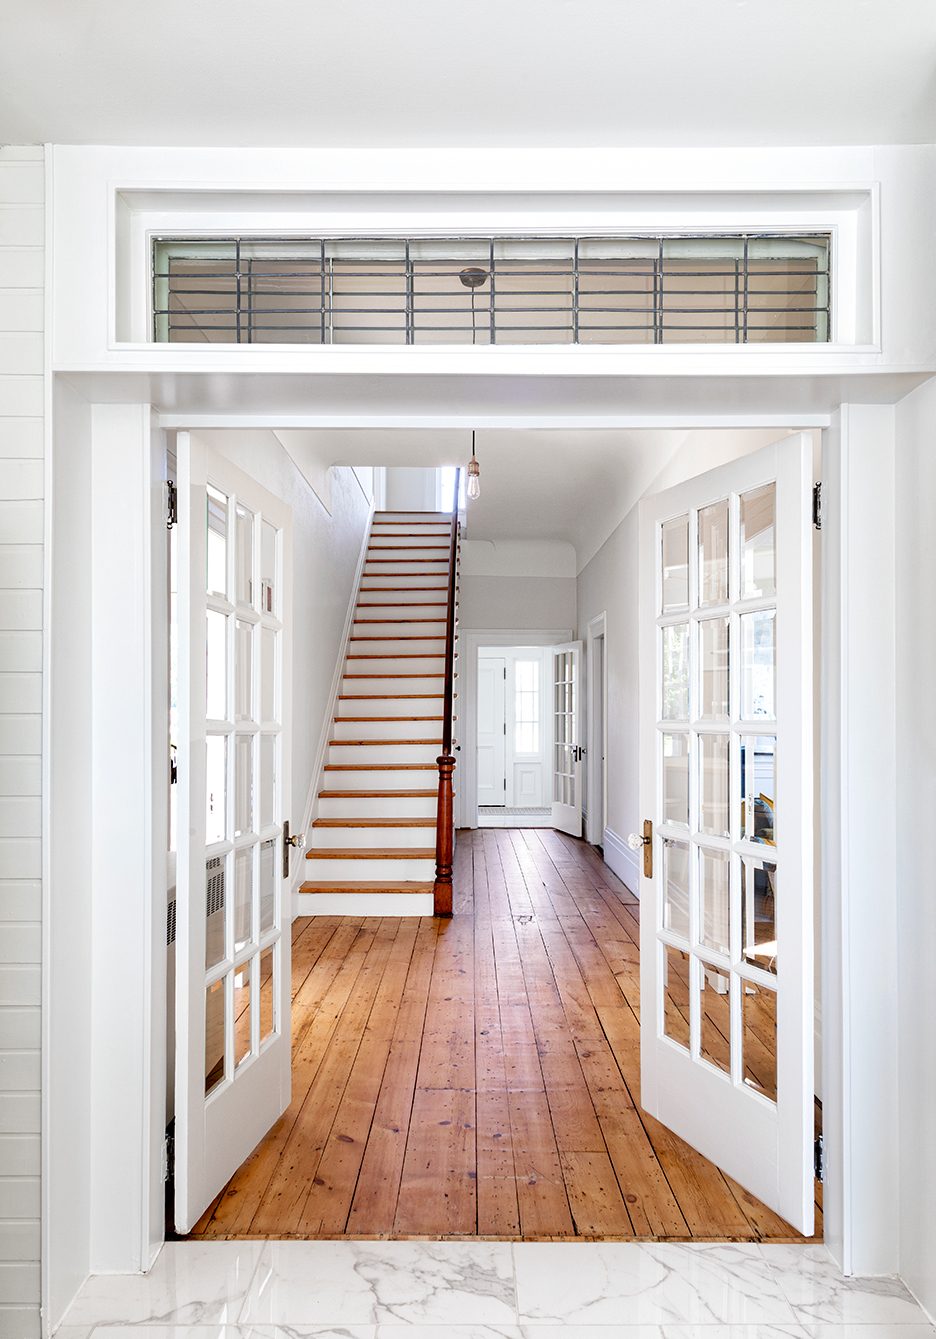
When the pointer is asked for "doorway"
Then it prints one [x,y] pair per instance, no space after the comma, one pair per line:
[513,739]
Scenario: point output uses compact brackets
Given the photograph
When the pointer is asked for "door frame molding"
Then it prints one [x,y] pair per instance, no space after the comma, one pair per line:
[596,630]
[470,642]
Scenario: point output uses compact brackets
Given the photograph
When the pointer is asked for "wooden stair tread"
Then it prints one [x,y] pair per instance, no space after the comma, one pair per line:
[398,636]
[420,548]
[399,620]
[426,794]
[389,655]
[374,823]
[380,767]
[389,697]
[364,886]
[395,743]
[389,718]
[401,604]
[389,676]
[396,589]
[372,853]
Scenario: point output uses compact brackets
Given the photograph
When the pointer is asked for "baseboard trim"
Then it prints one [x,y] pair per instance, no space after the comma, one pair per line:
[622,861]
[363,904]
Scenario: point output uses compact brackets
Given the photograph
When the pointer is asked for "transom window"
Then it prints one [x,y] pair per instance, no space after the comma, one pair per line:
[649,289]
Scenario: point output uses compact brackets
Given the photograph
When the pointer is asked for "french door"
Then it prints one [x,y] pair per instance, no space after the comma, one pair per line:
[567,738]
[232,946]
[726,781]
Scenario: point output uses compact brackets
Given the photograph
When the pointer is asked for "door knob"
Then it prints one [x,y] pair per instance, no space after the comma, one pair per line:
[638,842]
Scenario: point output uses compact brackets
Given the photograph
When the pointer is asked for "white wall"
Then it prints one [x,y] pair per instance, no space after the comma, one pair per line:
[516,585]
[410,489]
[21,602]
[915,810]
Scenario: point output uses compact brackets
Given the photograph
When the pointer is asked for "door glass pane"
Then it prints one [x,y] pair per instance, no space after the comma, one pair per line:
[242,993]
[268,593]
[267,885]
[215,881]
[676,995]
[713,554]
[243,785]
[714,790]
[215,789]
[759,1043]
[758,664]
[759,788]
[676,779]
[267,989]
[216,666]
[714,884]
[676,672]
[715,1017]
[758,543]
[267,779]
[759,913]
[676,564]
[243,671]
[214,1035]
[243,552]
[676,888]
[216,556]
[268,695]
[713,651]
[243,898]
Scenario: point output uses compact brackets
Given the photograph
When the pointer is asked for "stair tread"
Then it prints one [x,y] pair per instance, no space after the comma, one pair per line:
[397,636]
[388,655]
[425,794]
[394,743]
[396,589]
[387,697]
[389,718]
[372,853]
[389,676]
[374,823]
[380,767]
[387,548]
[365,886]
[402,604]
[399,620]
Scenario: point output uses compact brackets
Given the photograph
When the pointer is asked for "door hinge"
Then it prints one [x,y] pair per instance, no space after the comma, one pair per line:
[172,504]
[819,1159]
[817,506]
[168,1156]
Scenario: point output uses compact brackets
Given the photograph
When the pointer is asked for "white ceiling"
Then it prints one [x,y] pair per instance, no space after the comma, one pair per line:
[417,72]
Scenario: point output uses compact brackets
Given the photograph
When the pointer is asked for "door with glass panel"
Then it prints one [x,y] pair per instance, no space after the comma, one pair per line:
[568,751]
[233,961]
[726,780]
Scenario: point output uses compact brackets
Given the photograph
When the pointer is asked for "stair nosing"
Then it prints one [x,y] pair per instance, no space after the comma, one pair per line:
[371,853]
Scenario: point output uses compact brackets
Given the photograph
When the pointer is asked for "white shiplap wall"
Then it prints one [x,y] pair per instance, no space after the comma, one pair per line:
[21,568]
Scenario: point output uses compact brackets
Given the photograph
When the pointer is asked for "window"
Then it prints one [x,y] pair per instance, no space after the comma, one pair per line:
[527,706]
[731,288]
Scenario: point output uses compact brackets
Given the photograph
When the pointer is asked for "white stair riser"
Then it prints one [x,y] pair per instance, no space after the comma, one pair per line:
[381,585]
[432,666]
[425,683]
[361,753]
[387,730]
[393,646]
[392,517]
[384,706]
[325,839]
[384,539]
[432,629]
[363,904]
[378,806]
[433,572]
[399,554]
[363,871]
[416,778]
[432,613]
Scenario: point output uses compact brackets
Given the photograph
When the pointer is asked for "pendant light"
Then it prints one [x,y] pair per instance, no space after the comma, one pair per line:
[474,473]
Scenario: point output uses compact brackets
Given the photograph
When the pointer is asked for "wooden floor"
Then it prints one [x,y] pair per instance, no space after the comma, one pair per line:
[480,1076]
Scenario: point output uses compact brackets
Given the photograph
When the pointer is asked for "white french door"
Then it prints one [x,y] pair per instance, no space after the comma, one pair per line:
[567,738]
[232,947]
[726,778]
[492,730]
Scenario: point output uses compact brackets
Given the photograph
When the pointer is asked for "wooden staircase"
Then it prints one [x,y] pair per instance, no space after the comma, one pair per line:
[374,842]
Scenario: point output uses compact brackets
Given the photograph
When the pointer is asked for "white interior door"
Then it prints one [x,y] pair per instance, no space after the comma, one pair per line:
[726,773]
[233,944]
[492,730]
[567,741]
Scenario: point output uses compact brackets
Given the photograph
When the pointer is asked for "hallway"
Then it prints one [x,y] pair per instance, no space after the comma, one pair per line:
[479,1076]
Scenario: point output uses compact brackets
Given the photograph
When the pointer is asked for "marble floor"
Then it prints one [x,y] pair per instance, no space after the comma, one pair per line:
[492,1290]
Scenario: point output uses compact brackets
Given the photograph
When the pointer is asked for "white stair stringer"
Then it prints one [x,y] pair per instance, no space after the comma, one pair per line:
[371,846]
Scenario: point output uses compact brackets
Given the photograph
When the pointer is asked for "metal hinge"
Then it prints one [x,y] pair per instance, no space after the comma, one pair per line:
[168,1156]
[817,506]
[172,504]
[819,1159]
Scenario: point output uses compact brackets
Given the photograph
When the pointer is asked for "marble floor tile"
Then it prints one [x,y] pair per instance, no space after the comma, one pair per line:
[355,1283]
[628,1283]
[191,1283]
[449,1332]
[811,1282]
[912,1331]
[665,1332]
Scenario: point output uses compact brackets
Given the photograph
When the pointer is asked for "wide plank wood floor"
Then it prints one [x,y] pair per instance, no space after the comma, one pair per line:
[480,1076]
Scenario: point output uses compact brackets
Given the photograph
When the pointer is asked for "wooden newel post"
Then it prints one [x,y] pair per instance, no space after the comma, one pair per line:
[445,838]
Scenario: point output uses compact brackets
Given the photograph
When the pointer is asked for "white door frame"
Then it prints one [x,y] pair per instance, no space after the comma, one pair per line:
[466,727]
[596,728]
[105,1113]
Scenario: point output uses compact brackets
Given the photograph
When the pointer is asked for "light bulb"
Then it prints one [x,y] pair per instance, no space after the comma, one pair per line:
[474,479]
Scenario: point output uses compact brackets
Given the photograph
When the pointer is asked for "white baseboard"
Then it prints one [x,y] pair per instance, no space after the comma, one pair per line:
[362,904]
[622,860]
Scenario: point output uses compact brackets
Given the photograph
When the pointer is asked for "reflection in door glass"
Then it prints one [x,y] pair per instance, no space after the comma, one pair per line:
[675,564]
[759,1040]
[244,555]
[215,788]
[713,655]
[267,993]
[676,779]
[267,884]
[676,888]
[715,1017]
[676,672]
[759,789]
[215,885]
[267,779]
[713,554]
[216,666]
[268,569]
[242,994]
[759,913]
[758,543]
[714,789]
[758,664]
[243,785]
[243,898]
[243,671]
[268,704]
[216,555]
[714,884]
[214,1035]
[675,985]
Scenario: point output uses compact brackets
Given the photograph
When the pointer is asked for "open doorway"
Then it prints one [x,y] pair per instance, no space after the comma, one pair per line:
[514,780]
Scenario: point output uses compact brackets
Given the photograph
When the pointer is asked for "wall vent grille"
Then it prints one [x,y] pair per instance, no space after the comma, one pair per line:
[729,288]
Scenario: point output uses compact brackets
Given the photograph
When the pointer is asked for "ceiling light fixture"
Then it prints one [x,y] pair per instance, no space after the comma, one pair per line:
[473,277]
[474,473]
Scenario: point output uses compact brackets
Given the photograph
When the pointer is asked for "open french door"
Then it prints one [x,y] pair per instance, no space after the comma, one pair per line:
[232,945]
[568,751]
[726,781]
